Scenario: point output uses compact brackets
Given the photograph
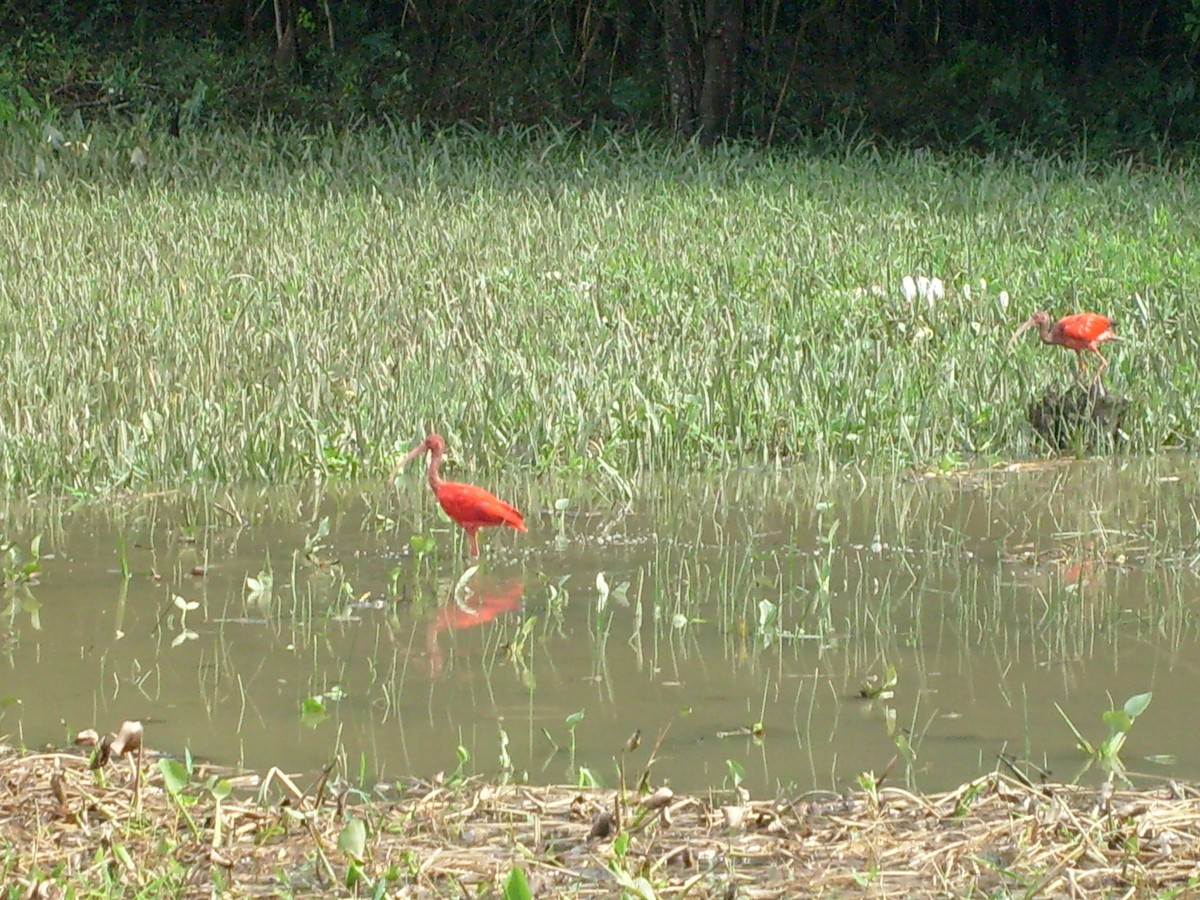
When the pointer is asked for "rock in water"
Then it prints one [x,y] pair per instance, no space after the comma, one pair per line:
[1079,418]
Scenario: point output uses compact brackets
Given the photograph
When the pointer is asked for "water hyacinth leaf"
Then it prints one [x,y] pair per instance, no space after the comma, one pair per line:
[421,544]
[175,774]
[259,588]
[221,788]
[312,712]
[1137,704]
[1118,721]
[353,839]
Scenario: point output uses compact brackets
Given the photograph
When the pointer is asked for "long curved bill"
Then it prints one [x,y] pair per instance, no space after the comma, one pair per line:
[1020,331]
[415,451]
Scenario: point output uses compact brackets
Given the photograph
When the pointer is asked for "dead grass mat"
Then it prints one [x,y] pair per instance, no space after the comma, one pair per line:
[62,823]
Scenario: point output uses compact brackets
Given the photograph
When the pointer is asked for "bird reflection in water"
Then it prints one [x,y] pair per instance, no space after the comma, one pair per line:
[475,600]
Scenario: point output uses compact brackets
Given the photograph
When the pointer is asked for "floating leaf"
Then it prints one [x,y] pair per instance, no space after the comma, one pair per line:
[312,711]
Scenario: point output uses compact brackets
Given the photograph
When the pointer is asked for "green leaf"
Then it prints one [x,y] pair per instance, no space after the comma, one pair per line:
[312,712]
[1136,705]
[175,774]
[221,788]
[353,839]
[516,887]
[1117,720]
[421,544]
[620,845]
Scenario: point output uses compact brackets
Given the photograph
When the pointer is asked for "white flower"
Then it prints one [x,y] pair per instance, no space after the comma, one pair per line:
[1004,301]
[909,287]
[966,292]
[937,290]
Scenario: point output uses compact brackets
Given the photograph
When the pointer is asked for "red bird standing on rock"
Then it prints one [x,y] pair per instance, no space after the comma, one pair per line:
[470,506]
[1078,332]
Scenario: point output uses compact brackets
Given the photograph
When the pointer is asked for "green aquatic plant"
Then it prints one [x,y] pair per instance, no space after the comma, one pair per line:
[1119,722]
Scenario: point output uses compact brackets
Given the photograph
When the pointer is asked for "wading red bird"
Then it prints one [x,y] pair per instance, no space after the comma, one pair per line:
[1078,332]
[470,506]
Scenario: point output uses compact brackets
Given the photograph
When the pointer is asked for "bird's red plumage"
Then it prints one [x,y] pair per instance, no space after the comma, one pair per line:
[472,506]
[1081,330]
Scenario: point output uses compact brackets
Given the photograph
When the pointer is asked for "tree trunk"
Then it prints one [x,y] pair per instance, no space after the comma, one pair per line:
[681,92]
[722,51]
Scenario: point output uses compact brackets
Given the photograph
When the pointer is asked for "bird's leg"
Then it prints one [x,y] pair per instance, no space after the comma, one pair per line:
[473,534]
[1082,367]
[1097,381]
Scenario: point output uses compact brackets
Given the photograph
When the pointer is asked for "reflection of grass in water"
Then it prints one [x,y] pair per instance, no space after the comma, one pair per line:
[918,569]
[798,585]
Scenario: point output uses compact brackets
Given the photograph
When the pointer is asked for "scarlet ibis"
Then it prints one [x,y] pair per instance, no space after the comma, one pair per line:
[1078,332]
[470,506]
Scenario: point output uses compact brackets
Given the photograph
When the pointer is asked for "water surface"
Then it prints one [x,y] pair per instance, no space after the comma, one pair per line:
[726,620]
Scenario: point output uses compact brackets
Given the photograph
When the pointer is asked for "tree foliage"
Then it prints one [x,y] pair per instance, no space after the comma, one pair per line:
[923,71]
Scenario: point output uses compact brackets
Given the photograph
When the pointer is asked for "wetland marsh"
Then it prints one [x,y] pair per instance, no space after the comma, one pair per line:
[727,619]
[787,520]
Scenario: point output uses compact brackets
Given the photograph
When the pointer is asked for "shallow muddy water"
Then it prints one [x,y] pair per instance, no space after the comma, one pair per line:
[694,611]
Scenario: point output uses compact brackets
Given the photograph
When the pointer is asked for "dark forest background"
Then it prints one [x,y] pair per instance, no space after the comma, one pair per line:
[1114,76]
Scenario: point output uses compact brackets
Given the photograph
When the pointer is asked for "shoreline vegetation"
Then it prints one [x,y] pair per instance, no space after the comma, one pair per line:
[269,304]
[141,825]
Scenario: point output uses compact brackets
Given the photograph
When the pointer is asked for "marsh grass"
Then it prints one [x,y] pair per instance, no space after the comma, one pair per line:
[270,304]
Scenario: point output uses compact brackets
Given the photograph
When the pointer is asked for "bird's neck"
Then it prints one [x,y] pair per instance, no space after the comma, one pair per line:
[1045,330]
[435,477]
